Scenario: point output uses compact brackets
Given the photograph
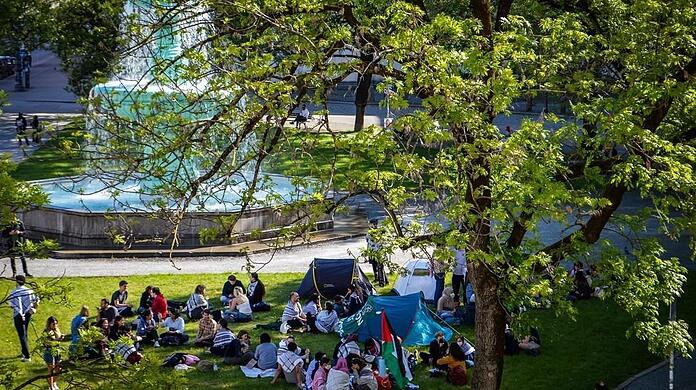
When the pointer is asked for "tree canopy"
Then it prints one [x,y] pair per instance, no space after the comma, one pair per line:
[626,68]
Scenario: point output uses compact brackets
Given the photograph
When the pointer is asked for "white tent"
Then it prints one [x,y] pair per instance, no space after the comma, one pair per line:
[418,278]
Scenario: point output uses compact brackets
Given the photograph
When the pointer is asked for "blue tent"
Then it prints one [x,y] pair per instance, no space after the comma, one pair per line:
[329,277]
[408,315]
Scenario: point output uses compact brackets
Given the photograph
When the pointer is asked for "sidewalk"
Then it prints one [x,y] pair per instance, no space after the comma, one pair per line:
[657,376]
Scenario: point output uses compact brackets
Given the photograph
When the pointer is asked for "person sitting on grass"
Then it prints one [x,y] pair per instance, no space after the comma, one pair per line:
[311,309]
[175,333]
[146,299]
[238,352]
[293,318]
[338,378]
[362,378]
[228,289]
[290,365]
[347,347]
[582,288]
[266,353]
[223,338]
[373,349]
[79,322]
[206,330]
[447,307]
[320,374]
[119,329]
[312,367]
[340,306]
[239,309]
[196,303]
[256,292]
[327,319]
[456,365]
[355,300]
[102,345]
[437,349]
[468,349]
[283,345]
[119,300]
[146,328]
[159,305]
[106,311]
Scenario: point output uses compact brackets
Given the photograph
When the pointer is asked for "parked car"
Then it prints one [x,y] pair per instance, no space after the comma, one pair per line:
[7,66]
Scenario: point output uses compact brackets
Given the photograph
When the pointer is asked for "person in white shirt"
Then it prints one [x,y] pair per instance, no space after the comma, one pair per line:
[459,273]
[175,333]
[302,117]
[23,302]
[239,309]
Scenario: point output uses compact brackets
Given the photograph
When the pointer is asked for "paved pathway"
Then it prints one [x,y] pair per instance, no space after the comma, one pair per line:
[47,99]
[47,93]
[294,259]
[657,377]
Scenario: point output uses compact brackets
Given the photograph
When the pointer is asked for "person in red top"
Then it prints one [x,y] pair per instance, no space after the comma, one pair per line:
[159,305]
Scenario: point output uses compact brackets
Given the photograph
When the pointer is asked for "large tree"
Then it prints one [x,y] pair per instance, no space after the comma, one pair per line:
[626,67]
[86,39]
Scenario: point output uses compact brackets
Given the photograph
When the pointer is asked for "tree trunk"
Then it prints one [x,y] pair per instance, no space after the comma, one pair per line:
[490,329]
[361,97]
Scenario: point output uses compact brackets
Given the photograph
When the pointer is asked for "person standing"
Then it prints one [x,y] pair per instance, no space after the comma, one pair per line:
[21,126]
[14,236]
[52,335]
[459,273]
[439,269]
[35,133]
[373,248]
[23,302]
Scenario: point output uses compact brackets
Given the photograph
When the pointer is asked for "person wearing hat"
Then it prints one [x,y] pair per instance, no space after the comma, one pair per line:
[23,302]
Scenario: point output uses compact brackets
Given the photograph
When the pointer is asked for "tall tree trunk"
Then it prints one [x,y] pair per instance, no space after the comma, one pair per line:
[490,315]
[490,329]
[362,95]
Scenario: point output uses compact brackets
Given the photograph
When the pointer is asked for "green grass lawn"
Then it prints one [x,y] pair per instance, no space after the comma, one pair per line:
[574,354]
[50,160]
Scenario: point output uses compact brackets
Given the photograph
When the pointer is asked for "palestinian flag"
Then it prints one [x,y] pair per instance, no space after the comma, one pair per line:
[392,354]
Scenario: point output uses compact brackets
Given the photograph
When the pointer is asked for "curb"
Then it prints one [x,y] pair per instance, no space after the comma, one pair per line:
[647,371]
[194,252]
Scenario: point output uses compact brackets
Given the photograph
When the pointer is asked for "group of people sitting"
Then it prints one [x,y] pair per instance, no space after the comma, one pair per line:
[450,359]
[349,367]
[586,283]
[161,322]
[317,317]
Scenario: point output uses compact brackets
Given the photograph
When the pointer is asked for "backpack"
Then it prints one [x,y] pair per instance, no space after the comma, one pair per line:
[196,313]
[174,359]
[457,376]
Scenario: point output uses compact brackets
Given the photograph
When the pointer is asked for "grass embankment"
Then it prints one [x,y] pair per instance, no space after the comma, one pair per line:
[52,159]
[574,354]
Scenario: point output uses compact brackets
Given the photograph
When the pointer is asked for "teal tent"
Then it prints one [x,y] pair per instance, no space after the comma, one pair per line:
[408,315]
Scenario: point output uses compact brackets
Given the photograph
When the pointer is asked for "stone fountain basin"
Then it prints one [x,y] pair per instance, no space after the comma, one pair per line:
[95,228]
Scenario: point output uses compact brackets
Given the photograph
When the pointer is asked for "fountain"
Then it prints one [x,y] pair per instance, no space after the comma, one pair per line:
[90,211]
